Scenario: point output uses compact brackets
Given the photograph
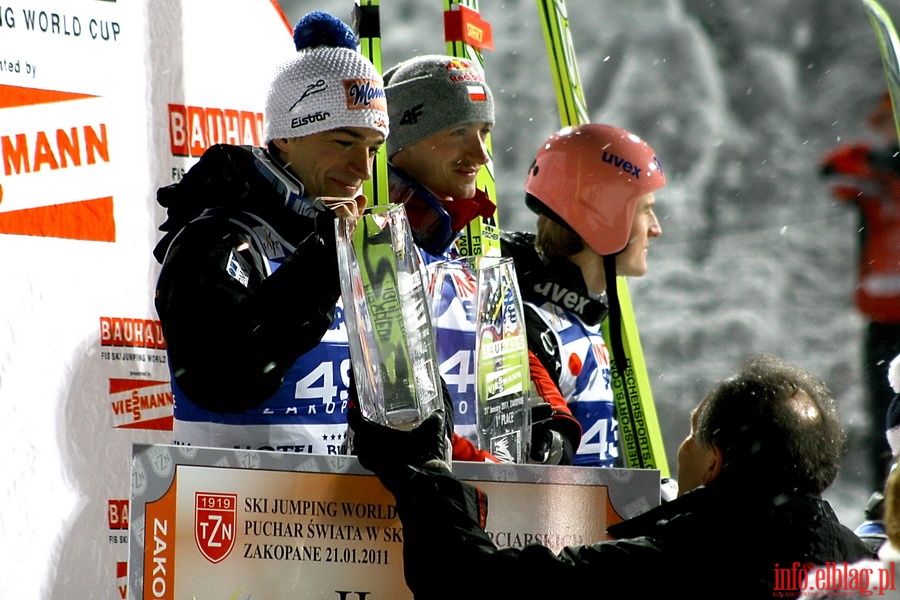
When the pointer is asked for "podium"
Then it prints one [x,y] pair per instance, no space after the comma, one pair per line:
[218,523]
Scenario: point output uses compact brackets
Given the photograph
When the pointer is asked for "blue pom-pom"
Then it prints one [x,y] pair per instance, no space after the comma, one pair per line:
[319,28]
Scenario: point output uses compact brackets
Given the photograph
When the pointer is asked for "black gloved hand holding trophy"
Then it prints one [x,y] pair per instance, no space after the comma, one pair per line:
[391,453]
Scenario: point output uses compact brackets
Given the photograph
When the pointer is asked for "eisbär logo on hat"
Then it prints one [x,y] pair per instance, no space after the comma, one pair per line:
[326,85]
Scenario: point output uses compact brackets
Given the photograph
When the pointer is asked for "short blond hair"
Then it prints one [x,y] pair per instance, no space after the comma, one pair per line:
[556,240]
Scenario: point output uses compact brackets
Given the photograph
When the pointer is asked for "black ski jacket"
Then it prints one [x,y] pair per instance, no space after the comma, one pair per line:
[541,281]
[231,330]
[724,540]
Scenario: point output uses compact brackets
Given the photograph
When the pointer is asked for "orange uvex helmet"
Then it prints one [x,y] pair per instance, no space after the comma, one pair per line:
[589,178]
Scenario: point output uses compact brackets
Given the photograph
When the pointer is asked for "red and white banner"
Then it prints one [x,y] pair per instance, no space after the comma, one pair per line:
[101,103]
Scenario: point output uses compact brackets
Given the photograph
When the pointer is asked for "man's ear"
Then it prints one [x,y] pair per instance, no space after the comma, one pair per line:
[281,144]
[713,466]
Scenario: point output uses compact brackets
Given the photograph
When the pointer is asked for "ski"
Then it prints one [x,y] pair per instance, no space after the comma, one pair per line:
[640,437]
[466,35]
[889,47]
[367,25]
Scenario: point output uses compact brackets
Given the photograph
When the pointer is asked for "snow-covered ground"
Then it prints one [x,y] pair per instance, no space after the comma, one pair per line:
[739,99]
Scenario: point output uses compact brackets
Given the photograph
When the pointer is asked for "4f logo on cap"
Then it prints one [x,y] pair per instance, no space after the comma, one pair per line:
[411,115]
[215,517]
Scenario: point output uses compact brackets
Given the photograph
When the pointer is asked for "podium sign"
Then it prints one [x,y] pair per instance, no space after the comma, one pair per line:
[222,524]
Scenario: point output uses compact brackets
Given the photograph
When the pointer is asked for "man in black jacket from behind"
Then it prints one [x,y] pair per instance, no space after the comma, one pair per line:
[763,446]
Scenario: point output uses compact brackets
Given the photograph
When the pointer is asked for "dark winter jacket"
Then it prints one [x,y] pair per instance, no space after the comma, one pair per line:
[724,540]
[584,391]
[556,281]
[231,330]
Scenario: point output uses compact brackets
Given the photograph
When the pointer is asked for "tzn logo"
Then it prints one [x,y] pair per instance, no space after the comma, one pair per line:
[215,516]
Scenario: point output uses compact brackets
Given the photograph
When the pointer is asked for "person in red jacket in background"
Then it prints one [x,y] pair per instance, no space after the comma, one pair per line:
[866,175]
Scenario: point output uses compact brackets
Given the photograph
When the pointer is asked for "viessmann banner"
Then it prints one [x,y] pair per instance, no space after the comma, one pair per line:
[211,523]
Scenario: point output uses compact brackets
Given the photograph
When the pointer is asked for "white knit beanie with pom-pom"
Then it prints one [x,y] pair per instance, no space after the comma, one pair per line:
[328,84]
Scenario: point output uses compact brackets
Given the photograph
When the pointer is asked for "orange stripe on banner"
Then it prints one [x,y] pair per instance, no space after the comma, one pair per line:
[284,19]
[612,515]
[161,424]
[90,220]
[12,96]
[159,545]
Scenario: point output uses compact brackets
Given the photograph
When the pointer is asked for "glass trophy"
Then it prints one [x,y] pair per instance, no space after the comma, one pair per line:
[485,290]
[387,317]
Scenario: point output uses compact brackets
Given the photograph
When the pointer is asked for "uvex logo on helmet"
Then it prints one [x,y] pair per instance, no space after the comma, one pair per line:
[620,163]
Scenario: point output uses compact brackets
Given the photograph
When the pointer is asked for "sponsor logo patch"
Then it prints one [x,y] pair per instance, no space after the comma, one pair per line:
[364,94]
[312,88]
[141,404]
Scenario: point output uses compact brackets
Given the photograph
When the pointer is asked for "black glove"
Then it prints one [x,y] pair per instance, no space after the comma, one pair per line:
[549,445]
[381,448]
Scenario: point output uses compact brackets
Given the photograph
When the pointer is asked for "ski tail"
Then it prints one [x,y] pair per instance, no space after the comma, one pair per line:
[466,34]
[561,54]
[367,25]
[640,436]
[889,47]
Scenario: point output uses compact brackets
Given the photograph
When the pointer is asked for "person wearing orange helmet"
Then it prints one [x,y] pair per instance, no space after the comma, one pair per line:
[593,188]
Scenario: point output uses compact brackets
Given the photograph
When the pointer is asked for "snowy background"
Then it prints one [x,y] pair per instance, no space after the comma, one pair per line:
[739,99]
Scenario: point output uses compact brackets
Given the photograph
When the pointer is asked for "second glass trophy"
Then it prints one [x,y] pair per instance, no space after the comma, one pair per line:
[489,296]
